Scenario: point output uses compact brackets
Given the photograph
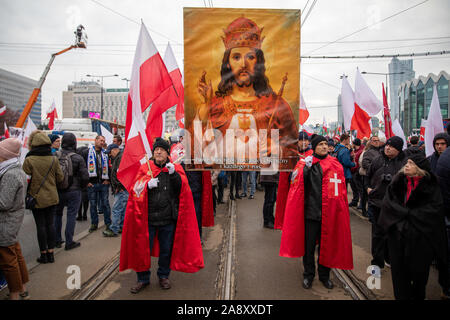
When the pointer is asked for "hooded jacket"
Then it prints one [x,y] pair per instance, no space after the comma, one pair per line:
[80,173]
[37,163]
[435,156]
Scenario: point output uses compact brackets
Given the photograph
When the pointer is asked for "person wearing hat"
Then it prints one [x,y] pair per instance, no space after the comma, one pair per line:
[160,214]
[13,186]
[309,221]
[45,173]
[304,150]
[331,146]
[118,190]
[412,217]
[56,142]
[380,174]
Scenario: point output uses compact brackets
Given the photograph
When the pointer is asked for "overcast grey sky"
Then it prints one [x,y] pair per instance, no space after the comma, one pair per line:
[32,30]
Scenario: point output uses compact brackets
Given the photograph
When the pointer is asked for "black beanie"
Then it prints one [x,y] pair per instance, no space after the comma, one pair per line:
[302,135]
[53,137]
[160,142]
[395,142]
[316,139]
[419,159]
[357,142]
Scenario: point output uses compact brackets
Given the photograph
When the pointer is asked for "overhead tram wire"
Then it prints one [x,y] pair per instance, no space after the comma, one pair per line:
[301,14]
[132,20]
[435,53]
[366,27]
[309,11]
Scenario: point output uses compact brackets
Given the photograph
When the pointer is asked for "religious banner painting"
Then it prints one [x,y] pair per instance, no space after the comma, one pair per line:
[242,81]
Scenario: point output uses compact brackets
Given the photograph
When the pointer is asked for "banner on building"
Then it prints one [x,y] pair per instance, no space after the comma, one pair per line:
[242,80]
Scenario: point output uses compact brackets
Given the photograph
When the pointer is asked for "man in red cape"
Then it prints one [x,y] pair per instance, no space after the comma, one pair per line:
[179,247]
[317,212]
[283,181]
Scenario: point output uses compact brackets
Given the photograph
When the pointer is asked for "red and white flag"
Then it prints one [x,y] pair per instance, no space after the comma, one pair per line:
[434,124]
[149,78]
[52,115]
[324,126]
[303,114]
[6,131]
[2,110]
[172,96]
[357,114]
[422,130]
[387,117]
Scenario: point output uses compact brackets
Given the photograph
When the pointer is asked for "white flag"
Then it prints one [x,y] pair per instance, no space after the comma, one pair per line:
[28,130]
[398,131]
[434,124]
[108,135]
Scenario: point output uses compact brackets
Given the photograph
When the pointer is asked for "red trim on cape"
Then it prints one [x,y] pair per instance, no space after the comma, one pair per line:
[207,200]
[187,255]
[336,242]
[282,193]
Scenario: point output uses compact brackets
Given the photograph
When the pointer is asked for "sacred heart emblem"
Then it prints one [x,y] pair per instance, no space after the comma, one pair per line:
[139,187]
[244,122]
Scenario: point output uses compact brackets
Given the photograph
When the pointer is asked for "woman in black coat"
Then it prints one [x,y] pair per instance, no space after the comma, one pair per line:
[412,216]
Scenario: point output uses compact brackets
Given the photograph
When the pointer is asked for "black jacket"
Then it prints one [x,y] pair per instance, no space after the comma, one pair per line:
[163,201]
[369,155]
[420,216]
[116,185]
[433,159]
[381,172]
[312,177]
[84,152]
[443,174]
[80,173]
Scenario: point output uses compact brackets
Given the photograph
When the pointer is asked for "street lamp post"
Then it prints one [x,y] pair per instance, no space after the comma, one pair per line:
[385,74]
[127,80]
[101,91]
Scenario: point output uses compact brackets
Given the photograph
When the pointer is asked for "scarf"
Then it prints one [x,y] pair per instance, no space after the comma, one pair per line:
[5,165]
[44,150]
[92,163]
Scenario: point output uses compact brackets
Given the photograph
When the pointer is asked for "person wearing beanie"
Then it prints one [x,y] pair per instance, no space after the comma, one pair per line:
[412,217]
[441,142]
[306,215]
[45,173]
[331,146]
[161,193]
[56,142]
[13,186]
[343,153]
[380,174]
[282,189]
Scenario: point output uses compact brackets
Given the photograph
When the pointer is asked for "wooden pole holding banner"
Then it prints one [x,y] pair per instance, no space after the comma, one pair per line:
[149,167]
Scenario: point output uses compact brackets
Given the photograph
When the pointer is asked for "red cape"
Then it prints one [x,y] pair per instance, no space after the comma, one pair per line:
[336,241]
[207,200]
[187,255]
[282,193]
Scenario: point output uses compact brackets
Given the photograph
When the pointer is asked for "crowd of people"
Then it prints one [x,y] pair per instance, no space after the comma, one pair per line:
[404,195]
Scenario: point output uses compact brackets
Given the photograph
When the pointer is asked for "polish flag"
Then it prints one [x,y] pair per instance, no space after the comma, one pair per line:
[6,131]
[308,129]
[358,107]
[303,114]
[422,129]
[387,117]
[434,124]
[2,110]
[174,95]
[52,114]
[149,78]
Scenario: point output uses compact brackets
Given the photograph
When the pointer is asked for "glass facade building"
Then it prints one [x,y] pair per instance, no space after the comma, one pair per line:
[414,98]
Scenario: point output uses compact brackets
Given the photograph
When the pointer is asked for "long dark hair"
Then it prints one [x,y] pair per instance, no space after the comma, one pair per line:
[259,80]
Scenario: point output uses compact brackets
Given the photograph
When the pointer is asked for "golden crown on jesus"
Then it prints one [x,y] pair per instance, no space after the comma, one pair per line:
[242,32]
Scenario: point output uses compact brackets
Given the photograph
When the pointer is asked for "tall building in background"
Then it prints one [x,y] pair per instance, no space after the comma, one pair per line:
[414,98]
[15,90]
[395,80]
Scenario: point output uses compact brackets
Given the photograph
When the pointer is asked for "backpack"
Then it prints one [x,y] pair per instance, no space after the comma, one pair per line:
[65,162]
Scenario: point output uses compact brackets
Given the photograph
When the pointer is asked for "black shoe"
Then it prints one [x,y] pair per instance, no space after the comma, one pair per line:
[93,228]
[307,283]
[50,257]
[100,212]
[84,218]
[244,195]
[328,284]
[42,258]
[221,202]
[73,245]
[353,204]
[269,225]
[79,218]
[237,196]
[251,197]
[138,287]
[59,244]
[232,197]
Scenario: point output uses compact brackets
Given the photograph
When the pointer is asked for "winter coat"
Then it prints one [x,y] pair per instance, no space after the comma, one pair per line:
[358,154]
[433,159]
[443,174]
[80,173]
[13,186]
[369,155]
[413,149]
[37,163]
[84,153]
[380,174]
[343,155]
[421,215]
[116,185]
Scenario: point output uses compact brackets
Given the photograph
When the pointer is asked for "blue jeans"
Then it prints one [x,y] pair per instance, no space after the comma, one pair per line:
[99,191]
[118,211]
[252,174]
[165,237]
[71,199]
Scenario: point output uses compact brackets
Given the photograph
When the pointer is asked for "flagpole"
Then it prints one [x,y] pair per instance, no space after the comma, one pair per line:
[149,167]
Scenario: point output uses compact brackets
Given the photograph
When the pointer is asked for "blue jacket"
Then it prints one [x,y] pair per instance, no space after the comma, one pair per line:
[343,156]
